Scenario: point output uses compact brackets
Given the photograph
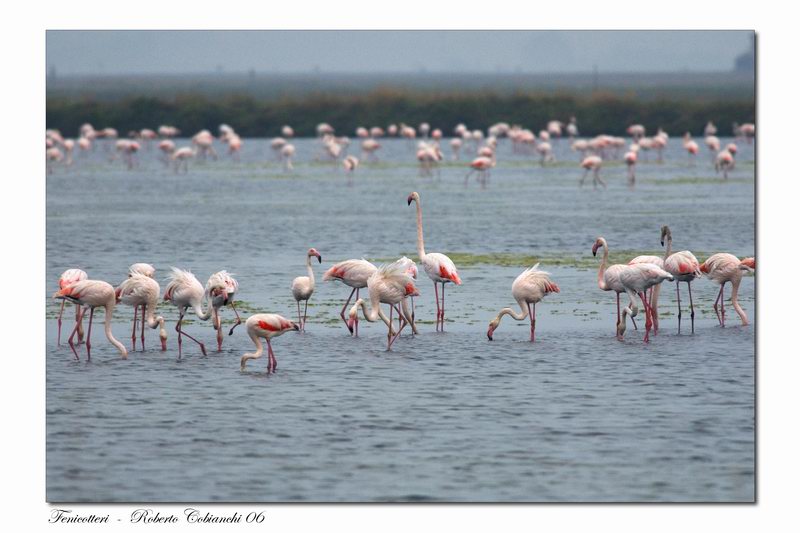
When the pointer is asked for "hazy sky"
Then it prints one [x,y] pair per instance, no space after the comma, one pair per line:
[120,52]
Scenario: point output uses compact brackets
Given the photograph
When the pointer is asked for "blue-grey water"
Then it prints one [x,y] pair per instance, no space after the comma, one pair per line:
[577,416]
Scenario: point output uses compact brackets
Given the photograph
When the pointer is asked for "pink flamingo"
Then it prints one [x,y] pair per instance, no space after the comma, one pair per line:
[225,287]
[593,163]
[608,278]
[92,293]
[353,273]
[303,288]
[142,290]
[266,326]
[691,147]
[655,291]
[144,269]
[482,165]
[411,270]
[723,268]
[390,284]
[438,267]
[630,161]
[638,279]
[528,289]
[724,162]
[67,278]
[684,267]
[184,291]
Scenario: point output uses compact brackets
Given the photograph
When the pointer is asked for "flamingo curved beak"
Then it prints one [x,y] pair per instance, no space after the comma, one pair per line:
[295,327]
[410,199]
[594,249]
[350,324]
[490,333]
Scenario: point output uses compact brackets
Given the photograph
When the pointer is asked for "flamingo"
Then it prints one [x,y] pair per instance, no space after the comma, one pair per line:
[608,279]
[287,131]
[684,267]
[724,162]
[67,278]
[723,268]
[142,290]
[181,158]
[303,288]
[144,269]
[389,284]
[353,273]
[438,267]
[593,163]
[287,152]
[92,294]
[545,149]
[184,291]
[483,165]
[266,326]
[638,279]
[630,161]
[225,287]
[528,289]
[411,270]
[691,147]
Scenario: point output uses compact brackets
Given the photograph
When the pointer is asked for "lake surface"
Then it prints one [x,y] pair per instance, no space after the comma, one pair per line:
[577,416]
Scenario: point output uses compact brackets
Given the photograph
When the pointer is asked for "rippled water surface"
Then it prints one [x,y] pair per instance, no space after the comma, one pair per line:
[577,416]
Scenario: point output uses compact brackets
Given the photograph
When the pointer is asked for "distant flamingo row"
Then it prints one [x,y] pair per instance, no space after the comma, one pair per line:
[593,152]
[393,284]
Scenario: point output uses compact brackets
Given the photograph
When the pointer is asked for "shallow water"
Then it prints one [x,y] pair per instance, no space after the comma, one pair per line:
[577,416]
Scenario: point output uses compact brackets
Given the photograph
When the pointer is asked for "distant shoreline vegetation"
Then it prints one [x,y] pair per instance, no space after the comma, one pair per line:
[252,116]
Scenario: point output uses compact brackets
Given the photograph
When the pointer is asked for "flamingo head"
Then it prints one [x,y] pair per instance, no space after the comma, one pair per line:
[748,264]
[414,196]
[597,244]
[666,233]
[312,252]
[295,326]
[219,291]
[492,326]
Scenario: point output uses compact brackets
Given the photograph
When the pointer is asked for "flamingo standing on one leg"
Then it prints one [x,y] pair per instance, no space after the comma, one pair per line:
[142,290]
[303,288]
[184,291]
[390,284]
[92,294]
[437,266]
[638,279]
[528,289]
[73,275]
[227,287]
[684,267]
[608,279]
[353,273]
[266,326]
[723,268]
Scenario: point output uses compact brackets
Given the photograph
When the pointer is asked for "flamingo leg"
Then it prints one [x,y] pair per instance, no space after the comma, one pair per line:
[533,321]
[72,335]
[648,322]
[355,326]
[618,318]
[272,363]
[691,304]
[401,324]
[218,322]
[716,305]
[299,316]
[238,318]
[442,307]
[61,312]
[722,304]
[79,319]
[133,334]
[436,291]
[144,306]
[305,315]
[344,308]
[89,336]
[413,312]
[179,329]
[678,291]
[389,336]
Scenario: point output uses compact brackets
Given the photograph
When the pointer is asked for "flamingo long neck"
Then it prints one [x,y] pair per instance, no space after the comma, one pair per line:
[107,326]
[735,299]
[522,315]
[310,270]
[154,321]
[259,349]
[601,272]
[668,251]
[374,312]
[198,308]
[420,240]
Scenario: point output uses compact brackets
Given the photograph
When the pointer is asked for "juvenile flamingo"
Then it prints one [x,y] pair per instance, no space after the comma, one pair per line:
[303,288]
[390,284]
[67,278]
[608,279]
[266,326]
[638,279]
[142,290]
[438,267]
[353,273]
[225,287]
[184,291]
[92,294]
[684,267]
[528,289]
[727,268]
